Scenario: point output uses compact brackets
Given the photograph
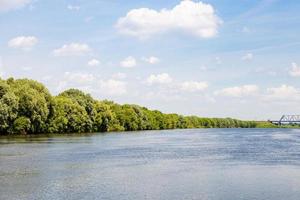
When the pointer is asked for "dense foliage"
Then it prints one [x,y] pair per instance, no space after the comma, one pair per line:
[26,106]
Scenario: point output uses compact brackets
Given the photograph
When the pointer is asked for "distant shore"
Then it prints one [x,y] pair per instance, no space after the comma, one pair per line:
[28,108]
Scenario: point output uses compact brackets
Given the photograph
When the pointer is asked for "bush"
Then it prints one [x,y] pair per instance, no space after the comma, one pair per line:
[21,125]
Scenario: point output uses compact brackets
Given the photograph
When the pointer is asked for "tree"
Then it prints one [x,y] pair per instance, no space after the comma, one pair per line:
[68,117]
[103,117]
[127,117]
[26,106]
[8,107]
[34,102]
[81,98]
[21,125]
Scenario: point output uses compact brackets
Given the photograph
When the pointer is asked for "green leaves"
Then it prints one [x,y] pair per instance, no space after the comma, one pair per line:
[68,117]
[8,108]
[26,106]
[33,103]
[21,125]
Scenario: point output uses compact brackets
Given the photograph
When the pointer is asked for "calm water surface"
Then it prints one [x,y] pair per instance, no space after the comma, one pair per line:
[214,164]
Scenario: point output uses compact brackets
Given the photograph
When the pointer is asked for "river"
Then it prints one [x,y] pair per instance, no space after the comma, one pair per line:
[203,164]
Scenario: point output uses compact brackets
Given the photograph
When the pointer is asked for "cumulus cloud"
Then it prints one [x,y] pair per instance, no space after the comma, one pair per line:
[248,56]
[196,18]
[6,5]
[159,95]
[76,80]
[88,19]
[113,87]
[193,86]
[163,78]
[47,78]
[72,7]
[284,92]
[82,78]
[128,62]
[93,63]
[245,29]
[203,68]
[26,68]
[62,85]
[119,75]
[151,60]
[73,49]
[218,60]
[23,42]
[239,91]
[295,70]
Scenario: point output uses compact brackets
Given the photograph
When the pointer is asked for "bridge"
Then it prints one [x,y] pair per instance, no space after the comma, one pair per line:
[287,119]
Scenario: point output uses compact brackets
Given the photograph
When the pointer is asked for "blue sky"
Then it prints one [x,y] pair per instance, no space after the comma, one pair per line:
[229,58]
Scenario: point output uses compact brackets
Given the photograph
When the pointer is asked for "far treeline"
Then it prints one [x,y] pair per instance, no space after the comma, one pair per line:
[27,107]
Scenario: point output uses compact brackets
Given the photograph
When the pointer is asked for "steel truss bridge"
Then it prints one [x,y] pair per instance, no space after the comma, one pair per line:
[287,119]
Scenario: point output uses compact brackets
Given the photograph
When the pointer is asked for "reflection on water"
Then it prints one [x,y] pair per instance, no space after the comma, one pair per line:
[216,164]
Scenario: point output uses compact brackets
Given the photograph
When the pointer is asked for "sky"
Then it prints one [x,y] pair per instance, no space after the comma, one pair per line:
[211,58]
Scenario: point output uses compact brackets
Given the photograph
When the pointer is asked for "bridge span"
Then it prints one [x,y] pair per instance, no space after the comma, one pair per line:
[287,119]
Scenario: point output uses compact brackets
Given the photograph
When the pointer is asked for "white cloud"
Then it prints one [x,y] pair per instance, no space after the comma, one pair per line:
[193,86]
[78,80]
[245,29]
[72,7]
[266,70]
[248,56]
[151,60]
[26,68]
[47,78]
[88,19]
[113,87]
[218,60]
[128,62]
[196,18]
[77,77]
[6,5]
[239,91]
[23,42]
[62,85]
[163,78]
[94,63]
[159,95]
[119,75]
[73,49]
[295,70]
[284,92]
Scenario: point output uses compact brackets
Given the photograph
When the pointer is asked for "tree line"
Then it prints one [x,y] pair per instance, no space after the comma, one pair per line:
[27,107]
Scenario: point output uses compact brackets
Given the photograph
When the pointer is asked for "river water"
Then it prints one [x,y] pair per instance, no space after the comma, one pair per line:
[214,164]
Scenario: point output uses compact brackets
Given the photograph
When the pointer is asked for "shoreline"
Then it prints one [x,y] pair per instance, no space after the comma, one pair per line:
[49,135]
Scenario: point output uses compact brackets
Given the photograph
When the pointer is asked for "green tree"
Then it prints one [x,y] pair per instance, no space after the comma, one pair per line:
[68,117]
[81,98]
[26,106]
[103,117]
[8,107]
[34,102]
[21,125]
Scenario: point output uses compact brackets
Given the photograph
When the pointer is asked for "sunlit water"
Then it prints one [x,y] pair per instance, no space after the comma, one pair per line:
[215,164]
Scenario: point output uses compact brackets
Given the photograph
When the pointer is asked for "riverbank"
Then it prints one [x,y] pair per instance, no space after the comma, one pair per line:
[54,135]
[27,107]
